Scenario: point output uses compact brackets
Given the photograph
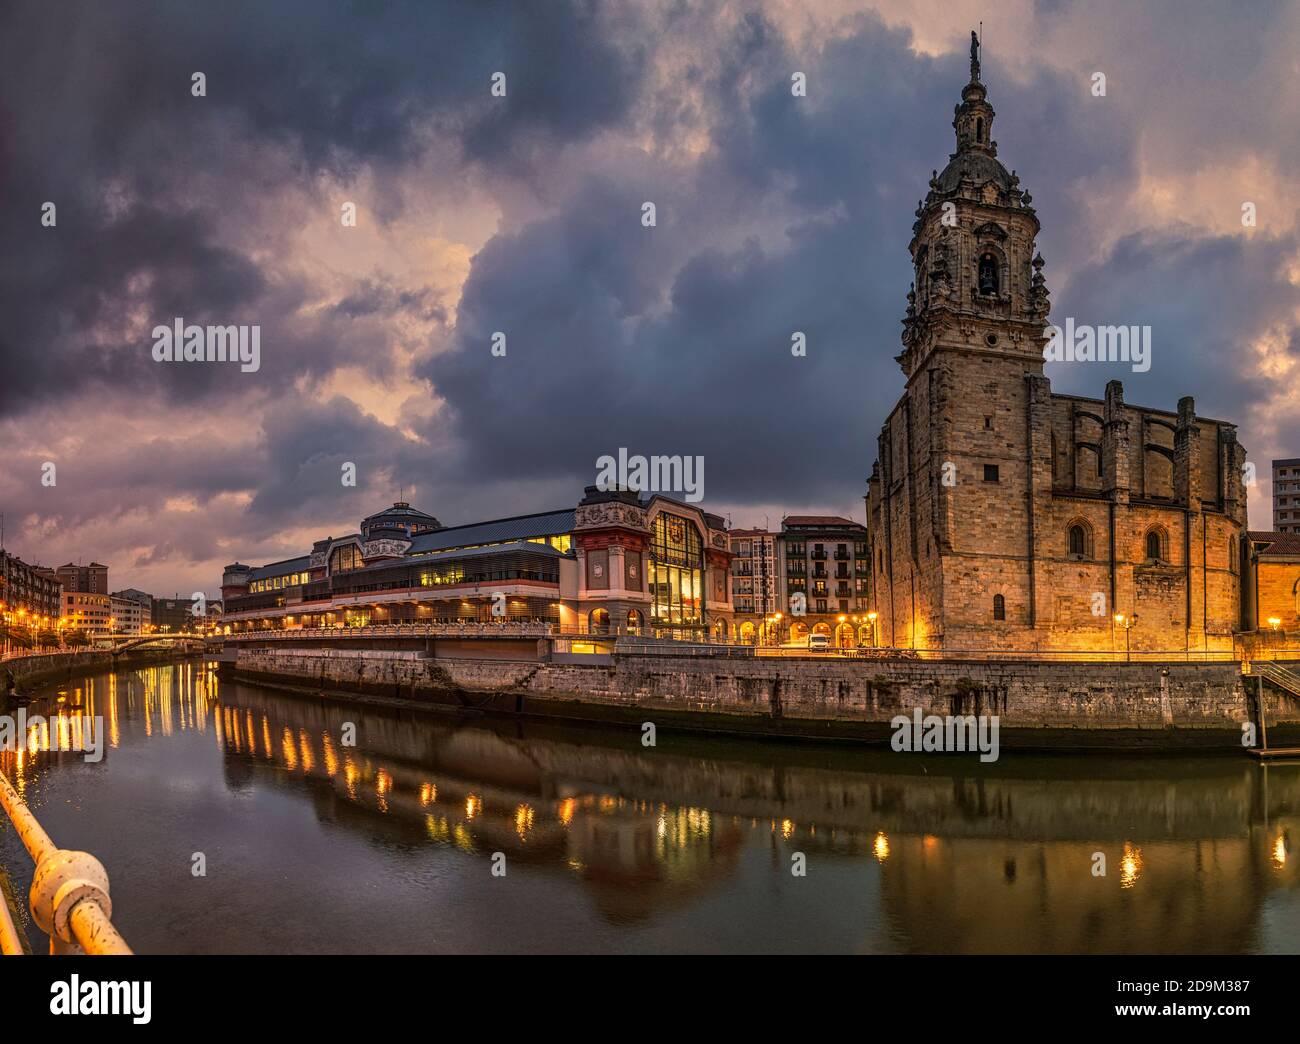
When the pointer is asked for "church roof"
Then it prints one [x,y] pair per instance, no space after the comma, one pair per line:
[1268,544]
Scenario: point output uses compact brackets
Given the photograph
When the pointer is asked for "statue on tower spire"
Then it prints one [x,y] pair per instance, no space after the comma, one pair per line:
[974,57]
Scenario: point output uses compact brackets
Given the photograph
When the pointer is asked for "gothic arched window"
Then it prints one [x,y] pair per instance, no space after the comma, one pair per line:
[1078,541]
[988,275]
[1154,546]
[999,607]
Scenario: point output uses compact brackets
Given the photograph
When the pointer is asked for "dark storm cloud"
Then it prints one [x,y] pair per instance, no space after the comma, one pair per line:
[775,215]
[307,445]
[99,105]
[581,294]
[1206,301]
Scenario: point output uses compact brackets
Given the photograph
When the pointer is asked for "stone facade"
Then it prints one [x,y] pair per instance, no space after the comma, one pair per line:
[626,587]
[1005,516]
[1272,594]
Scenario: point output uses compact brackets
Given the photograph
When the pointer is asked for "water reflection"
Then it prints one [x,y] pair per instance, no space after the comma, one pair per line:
[688,846]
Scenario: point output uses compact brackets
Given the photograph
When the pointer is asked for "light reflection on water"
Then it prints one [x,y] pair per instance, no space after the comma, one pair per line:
[313,842]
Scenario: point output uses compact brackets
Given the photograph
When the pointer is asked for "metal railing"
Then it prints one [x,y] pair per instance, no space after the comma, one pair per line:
[416,630]
[1279,676]
[69,894]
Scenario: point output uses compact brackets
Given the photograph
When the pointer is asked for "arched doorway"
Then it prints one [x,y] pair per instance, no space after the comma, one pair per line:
[798,634]
[634,621]
[844,636]
[864,635]
[598,621]
[822,628]
[747,632]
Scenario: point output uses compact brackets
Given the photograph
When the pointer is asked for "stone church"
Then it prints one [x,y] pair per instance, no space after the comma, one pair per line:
[1005,516]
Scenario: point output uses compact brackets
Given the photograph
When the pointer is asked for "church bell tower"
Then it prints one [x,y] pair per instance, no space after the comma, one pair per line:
[978,279]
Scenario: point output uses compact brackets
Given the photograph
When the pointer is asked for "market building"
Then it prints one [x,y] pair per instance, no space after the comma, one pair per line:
[618,563]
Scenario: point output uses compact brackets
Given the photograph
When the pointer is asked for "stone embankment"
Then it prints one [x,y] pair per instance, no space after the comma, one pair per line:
[49,668]
[1039,704]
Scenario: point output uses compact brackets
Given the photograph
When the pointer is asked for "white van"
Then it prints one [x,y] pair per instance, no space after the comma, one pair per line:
[819,642]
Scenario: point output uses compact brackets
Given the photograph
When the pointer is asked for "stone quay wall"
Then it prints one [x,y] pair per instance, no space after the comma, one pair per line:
[808,697]
[30,671]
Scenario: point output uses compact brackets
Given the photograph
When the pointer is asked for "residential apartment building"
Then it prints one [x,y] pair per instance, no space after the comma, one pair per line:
[144,599]
[824,565]
[28,591]
[1286,495]
[172,615]
[754,584]
[88,612]
[92,578]
[128,615]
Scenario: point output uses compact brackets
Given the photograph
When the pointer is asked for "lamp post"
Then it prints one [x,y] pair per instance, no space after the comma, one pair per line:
[872,617]
[1127,623]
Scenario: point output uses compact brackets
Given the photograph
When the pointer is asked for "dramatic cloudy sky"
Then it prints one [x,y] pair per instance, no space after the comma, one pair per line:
[522,214]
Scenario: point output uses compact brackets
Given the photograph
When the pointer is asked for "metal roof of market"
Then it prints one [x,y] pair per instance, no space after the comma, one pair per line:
[521,527]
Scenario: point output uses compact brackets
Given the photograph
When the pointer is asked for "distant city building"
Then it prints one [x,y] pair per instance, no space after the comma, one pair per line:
[87,612]
[825,569]
[618,563]
[173,614]
[753,584]
[92,578]
[30,590]
[1286,495]
[144,599]
[128,615]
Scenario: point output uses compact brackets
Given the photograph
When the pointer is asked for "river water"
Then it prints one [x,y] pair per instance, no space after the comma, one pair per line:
[311,844]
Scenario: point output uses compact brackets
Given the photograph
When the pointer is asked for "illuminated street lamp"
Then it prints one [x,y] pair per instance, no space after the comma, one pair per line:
[1127,623]
[872,617]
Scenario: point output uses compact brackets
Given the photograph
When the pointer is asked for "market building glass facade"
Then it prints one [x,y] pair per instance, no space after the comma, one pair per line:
[677,573]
